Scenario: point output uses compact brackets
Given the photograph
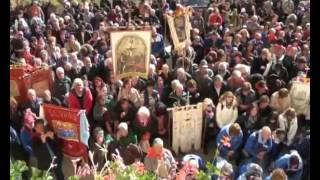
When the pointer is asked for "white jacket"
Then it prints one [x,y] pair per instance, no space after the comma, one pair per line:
[300,97]
[291,132]
[226,115]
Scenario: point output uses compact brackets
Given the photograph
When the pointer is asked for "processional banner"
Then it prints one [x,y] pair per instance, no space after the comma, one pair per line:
[131,53]
[18,84]
[187,128]
[20,81]
[179,25]
[65,123]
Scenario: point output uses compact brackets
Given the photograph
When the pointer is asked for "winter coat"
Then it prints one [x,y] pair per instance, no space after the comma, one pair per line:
[26,140]
[148,100]
[34,106]
[283,162]
[235,141]
[87,101]
[289,127]
[254,145]
[225,115]
[100,155]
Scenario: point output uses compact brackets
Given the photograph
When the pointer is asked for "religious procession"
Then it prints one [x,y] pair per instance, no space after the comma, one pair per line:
[160,89]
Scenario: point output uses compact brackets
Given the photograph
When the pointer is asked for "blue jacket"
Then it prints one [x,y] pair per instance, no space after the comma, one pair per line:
[235,140]
[283,162]
[26,140]
[157,46]
[253,146]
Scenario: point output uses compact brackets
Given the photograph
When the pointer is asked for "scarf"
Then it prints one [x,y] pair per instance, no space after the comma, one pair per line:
[152,154]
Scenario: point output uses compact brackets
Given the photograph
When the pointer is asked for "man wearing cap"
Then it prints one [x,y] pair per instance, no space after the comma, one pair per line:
[292,165]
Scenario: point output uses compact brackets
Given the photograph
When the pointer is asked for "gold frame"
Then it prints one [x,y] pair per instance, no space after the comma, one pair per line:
[179,45]
[138,43]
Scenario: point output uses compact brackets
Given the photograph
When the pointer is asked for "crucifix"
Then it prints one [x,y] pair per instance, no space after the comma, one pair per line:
[129,12]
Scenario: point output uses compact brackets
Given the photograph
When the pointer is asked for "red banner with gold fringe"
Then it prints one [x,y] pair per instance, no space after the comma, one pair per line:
[65,123]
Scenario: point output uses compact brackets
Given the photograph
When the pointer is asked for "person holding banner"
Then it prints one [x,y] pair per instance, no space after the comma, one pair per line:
[26,134]
[46,149]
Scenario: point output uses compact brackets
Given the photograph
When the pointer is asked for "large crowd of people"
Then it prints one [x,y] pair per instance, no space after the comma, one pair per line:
[241,62]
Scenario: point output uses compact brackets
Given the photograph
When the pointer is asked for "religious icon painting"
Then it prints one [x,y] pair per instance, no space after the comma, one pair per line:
[131,53]
[179,25]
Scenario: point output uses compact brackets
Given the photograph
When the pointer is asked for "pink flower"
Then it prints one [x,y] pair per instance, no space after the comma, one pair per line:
[225,141]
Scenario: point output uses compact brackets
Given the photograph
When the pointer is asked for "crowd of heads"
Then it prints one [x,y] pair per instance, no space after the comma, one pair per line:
[240,62]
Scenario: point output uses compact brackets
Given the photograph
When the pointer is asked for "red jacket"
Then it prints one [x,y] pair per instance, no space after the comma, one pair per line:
[215,18]
[87,101]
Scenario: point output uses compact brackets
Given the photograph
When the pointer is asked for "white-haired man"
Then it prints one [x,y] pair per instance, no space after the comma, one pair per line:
[62,84]
[145,127]
[178,97]
[33,102]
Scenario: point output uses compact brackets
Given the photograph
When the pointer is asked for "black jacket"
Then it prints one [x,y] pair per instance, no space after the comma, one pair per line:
[258,65]
[61,87]
[54,101]
[42,152]
[34,106]
[214,95]
[91,73]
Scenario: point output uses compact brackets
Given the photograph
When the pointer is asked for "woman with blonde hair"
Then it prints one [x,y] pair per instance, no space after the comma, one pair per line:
[227,110]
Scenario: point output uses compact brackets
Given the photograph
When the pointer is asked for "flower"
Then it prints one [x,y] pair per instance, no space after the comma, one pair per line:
[139,167]
[225,141]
